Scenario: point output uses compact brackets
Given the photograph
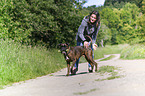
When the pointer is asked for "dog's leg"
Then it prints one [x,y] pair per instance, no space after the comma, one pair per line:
[88,58]
[92,62]
[91,66]
[73,72]
[68,68]
[96,65]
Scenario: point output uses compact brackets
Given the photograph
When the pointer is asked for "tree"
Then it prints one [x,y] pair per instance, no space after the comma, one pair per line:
[112,2]
[5,19]
[143,6]
[111,17]
[112,21]
[46,22]
[141,29]
[128,16]
[104,35]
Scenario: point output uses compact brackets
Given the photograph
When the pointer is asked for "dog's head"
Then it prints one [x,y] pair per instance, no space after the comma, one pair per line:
[63,48]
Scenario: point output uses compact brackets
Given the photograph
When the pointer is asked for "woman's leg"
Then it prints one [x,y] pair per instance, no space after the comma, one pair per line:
[89,65]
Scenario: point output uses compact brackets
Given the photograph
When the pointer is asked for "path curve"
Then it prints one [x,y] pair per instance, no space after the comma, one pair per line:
[84,83]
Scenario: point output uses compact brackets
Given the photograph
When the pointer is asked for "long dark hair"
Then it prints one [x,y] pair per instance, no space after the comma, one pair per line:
[97,15]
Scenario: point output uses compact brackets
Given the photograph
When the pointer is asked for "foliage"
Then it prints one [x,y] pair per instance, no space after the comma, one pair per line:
[122,22]
[5,19]
[111,17]
[113,2]
[143,6]
[104,34]
[111,20]
[50,22]
[46,22]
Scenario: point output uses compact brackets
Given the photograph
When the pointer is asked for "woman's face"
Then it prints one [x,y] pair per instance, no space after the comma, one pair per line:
[93,18]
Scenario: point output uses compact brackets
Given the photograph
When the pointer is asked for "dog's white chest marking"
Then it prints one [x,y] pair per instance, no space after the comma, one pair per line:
[67,58]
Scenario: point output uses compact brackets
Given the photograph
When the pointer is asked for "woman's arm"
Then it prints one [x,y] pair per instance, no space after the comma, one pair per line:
[81,29]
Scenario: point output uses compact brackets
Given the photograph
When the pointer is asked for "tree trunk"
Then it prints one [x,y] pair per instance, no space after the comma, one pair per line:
[102,43]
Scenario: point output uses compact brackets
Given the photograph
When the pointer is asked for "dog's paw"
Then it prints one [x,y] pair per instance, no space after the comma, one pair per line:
[67,74]
[90,70]
[73,72]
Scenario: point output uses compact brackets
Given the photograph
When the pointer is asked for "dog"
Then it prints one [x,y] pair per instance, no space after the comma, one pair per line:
[72,54]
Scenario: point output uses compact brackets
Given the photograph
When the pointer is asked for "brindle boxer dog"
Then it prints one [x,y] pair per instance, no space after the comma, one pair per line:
[72,54]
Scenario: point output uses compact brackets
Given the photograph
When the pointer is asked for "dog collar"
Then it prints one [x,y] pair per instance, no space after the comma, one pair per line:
[67,58]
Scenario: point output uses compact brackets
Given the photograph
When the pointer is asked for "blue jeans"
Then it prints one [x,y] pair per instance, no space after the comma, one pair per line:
[77,62]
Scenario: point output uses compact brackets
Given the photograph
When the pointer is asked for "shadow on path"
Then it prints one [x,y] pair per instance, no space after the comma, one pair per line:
[72,75]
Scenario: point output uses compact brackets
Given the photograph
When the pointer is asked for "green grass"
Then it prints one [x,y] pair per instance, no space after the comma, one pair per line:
[83,93]
[133,52]
[19,63]
[109,49]
[107,68]
[111,70]
[108,58]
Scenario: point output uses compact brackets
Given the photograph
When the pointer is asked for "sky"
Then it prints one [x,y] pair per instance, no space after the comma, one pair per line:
[94,2]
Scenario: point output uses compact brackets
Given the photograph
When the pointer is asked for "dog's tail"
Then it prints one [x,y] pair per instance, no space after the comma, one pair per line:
[90,40]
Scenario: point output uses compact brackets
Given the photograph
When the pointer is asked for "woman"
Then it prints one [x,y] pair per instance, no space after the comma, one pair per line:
[90,26]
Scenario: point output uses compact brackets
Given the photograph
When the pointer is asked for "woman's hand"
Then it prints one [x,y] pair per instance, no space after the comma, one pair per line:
[86,44]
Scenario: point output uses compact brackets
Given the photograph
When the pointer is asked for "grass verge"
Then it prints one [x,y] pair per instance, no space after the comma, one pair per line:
[20,63]
[83,93]
[109,49]
[133,52]
[108,58]
[111,71]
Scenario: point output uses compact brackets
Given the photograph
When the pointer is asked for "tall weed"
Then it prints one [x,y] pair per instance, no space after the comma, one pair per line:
[133,52]
[19,62]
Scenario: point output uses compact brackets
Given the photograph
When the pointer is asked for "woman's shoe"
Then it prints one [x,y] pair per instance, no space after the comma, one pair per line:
[90,70]
[73,72]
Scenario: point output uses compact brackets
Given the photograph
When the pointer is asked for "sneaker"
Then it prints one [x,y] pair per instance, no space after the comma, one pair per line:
[73,72]
[90,69]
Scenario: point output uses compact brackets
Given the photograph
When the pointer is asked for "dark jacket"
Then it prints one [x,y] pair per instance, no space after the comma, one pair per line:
[87,29]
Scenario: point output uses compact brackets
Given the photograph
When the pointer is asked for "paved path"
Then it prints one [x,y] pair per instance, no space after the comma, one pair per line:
[84,83]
